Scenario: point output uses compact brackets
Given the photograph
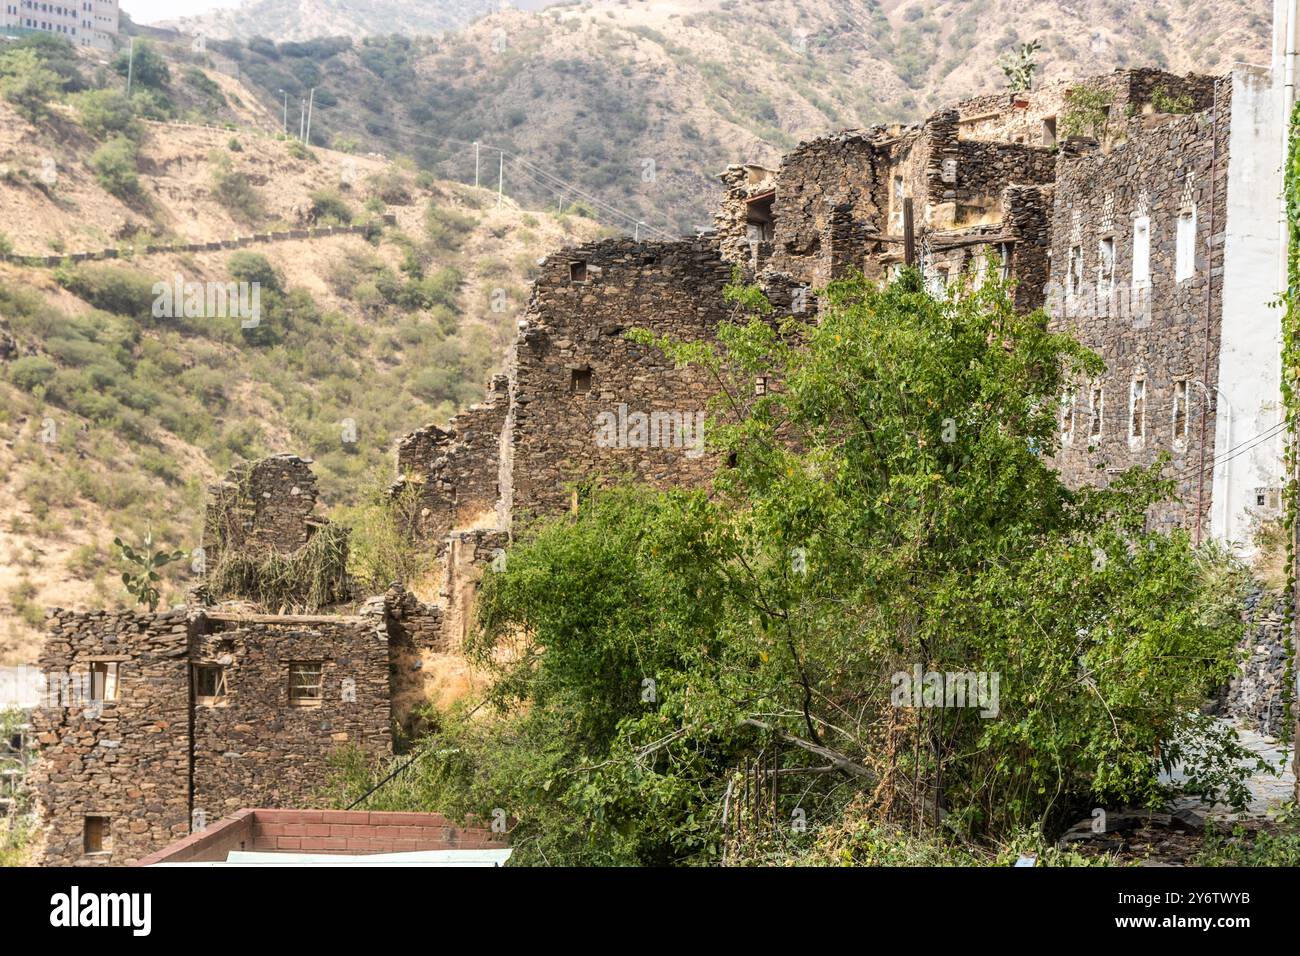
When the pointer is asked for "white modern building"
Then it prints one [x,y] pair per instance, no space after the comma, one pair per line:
[87,23]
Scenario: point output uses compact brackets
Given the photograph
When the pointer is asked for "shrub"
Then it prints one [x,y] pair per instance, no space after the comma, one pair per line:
[235,193]
[1166,102]
[107,112]
[114,164]
[253,267]
[447,227]
[111,288]
[383,547]
[297,150]
[146,67]
[329,207]
[200,81]
[30,371]
[391,186]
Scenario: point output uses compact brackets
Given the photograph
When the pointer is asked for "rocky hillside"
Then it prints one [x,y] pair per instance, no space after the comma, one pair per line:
[640,104]
[305,19]
[114,417]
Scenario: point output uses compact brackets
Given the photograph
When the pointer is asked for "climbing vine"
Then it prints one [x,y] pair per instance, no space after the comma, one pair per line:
[1291,403]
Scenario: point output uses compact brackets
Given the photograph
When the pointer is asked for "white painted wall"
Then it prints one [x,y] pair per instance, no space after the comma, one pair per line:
[1250,349]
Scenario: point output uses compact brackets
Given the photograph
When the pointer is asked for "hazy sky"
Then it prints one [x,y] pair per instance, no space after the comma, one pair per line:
[149,11]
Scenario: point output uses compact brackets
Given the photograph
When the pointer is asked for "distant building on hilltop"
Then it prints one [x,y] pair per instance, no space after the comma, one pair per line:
[88,23]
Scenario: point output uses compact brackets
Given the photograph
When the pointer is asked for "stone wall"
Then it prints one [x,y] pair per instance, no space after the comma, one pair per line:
[1257,696]
[125,759]
[841,173]
[152,752]
[255,747]
[457,468]
[1163,335]
[588,404]
[740,183]
[265,504]
[1025,117]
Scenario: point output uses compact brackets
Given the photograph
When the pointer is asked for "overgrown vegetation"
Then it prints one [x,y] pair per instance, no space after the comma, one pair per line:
[312,577]
[142,576]
[1087,111]
[384,548]
[890,515]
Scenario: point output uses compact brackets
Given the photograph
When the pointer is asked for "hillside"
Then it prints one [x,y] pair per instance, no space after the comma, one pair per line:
[305,19]
[113,419]
[642,104]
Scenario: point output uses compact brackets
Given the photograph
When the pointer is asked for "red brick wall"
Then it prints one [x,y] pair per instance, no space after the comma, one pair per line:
[327,831]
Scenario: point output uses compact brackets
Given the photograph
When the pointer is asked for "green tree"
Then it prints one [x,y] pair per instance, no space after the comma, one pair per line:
[890,510]
[27,83]
[146,67]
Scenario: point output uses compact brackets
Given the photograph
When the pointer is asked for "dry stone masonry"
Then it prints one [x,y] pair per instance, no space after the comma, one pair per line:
[1126,234]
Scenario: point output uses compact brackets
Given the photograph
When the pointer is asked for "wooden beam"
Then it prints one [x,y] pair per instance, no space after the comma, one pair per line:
[909,234]
[235,618]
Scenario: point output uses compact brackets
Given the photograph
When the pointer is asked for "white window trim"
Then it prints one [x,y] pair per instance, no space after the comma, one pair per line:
[1142,278]
[1137,424]
[1185,247]
[1180,441]
[1096,411]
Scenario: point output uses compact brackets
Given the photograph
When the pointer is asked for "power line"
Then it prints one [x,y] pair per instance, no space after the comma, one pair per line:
[557,182]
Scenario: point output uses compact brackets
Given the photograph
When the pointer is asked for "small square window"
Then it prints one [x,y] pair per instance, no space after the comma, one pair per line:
[103,680]
[580,381]
[578,271]
[97,836]
[305,684]
[209,684]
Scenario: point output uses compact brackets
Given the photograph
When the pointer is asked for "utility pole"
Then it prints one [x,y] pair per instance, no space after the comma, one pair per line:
[476,164]
[302,119]
[130,68]
[310,103]
[501,177]
[284,118]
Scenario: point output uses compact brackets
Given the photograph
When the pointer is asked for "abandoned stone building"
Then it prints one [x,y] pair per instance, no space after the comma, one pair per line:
[1139,208]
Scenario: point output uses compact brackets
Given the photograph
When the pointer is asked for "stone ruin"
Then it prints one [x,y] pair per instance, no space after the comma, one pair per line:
[990,185]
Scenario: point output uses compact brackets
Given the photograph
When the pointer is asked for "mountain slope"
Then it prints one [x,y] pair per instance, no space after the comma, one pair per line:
[289,20]
[113,418]
[642,104]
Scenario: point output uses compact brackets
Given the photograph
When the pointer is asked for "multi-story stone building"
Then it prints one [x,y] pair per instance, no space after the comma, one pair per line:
[88,23]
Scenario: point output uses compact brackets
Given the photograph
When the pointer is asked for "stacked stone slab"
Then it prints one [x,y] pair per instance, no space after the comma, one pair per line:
[127,760]
[265,504]
[456,469]
[256,748]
